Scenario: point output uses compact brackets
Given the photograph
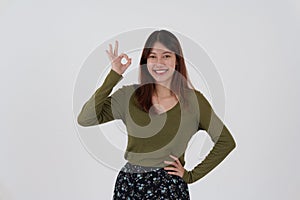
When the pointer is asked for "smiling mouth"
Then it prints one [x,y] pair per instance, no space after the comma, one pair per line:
[160,71]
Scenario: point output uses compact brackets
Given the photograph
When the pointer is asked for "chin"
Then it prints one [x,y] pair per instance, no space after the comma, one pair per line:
[162,79]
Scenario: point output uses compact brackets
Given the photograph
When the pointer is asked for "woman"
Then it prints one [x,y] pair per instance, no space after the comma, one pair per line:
[161,114]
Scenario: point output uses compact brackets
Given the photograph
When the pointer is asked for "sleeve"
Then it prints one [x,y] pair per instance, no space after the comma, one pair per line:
[219,134]
[101,107]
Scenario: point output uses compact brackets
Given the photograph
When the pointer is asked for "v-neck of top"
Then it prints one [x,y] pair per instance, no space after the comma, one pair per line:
[170,110]
[157,114]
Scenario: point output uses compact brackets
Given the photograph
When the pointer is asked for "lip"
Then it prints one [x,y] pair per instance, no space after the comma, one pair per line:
[155,71]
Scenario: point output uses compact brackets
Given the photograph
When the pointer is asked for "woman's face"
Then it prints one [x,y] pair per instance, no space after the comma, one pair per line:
[161,63]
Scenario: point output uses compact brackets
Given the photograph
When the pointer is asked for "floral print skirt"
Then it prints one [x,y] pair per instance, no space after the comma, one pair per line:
[135,182]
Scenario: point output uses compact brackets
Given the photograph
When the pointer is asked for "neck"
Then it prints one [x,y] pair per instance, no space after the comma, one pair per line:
[162,91]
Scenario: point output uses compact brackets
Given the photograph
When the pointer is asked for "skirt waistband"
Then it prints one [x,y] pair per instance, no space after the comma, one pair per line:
[131,168]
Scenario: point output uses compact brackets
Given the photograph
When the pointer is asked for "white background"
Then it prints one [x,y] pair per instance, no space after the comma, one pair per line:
[254,45]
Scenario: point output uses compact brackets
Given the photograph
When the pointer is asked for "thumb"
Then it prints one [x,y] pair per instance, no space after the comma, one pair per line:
[128,62]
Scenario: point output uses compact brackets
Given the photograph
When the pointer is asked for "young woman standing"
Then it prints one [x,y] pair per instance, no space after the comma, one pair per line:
[161,114]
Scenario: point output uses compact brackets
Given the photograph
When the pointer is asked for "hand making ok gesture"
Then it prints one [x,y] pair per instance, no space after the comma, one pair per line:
[116,59]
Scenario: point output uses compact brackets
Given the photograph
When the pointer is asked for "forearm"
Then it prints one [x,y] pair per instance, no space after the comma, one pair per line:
[97,109]
[219,152]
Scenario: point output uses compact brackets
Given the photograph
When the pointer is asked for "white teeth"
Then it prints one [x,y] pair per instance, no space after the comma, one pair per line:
[160,71]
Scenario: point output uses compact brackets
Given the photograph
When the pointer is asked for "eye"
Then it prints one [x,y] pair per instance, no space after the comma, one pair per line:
[167,56]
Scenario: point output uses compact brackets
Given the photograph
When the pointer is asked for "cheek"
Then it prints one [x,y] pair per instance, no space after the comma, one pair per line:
[150,66]
[171,63]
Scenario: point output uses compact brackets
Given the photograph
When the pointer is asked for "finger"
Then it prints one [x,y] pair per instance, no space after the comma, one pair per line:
[116,48]
[176,160]
[109,55]
[174,173]
[122,55]
[110,49]
[171,163]
[172,168]
[128,63]
[125,56]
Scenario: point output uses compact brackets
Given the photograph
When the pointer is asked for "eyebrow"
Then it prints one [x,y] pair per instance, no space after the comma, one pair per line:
[163,52]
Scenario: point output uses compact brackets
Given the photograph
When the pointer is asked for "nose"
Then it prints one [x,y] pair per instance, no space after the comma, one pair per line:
[160,61]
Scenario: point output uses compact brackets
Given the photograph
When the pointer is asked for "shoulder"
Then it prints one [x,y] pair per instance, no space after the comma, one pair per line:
[200,96]
[130,86]
[194,92]
[128,89]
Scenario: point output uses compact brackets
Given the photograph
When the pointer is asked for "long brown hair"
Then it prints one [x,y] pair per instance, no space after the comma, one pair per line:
[179,83]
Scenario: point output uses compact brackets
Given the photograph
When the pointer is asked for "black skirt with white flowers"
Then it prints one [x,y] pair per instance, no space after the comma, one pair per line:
[137,182]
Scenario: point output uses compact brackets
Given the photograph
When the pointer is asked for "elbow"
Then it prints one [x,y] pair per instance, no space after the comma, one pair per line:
[231,145]
[81,121]
[85,121]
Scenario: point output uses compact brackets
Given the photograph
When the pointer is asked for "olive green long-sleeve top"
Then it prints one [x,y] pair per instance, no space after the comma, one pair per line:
[153,137]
